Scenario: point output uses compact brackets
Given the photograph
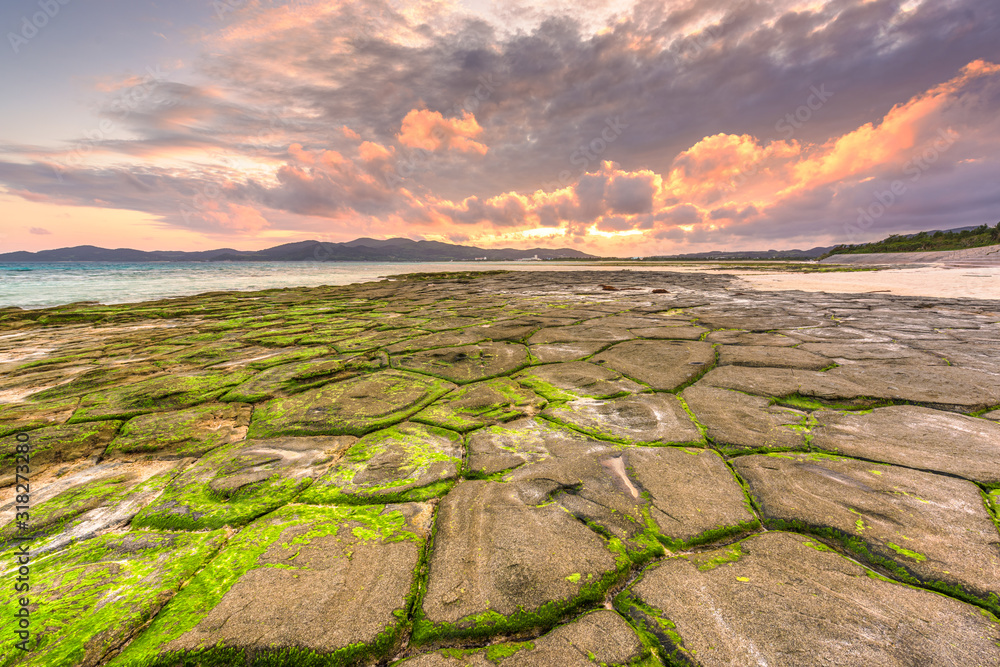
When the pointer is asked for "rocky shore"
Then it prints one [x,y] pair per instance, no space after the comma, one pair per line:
[516,469]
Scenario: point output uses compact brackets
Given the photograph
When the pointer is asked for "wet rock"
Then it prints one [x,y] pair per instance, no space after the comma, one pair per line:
[598,637]
[663,365]
[499,448]
[435,340]
[670,332]
[402,463]
[501,564]
[946,386]
[781,598]
[87,501]
[56,444]
[190,432]
[868,351]
[916,437]
[576,379]
[15,417]
[641,418]
[482,404]
[351,407]
[555,352]
[292,378]
[258,596]
[467,363]
[234,484]
[771,356]
[158,394]
[738,422]
[93,597]
[581,333]
[640,495]
[748,338]
[924,528]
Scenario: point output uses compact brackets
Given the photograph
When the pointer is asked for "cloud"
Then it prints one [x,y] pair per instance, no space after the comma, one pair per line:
[39,231]
[432,131]
[435,122]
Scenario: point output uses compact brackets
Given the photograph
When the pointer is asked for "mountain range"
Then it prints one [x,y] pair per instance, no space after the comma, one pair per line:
[358,250]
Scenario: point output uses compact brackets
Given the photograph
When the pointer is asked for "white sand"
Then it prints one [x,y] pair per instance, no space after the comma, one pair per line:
[979,283]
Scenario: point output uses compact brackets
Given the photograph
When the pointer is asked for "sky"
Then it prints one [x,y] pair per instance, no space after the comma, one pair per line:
[619,128]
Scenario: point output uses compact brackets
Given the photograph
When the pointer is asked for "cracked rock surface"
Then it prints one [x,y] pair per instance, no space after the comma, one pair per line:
[520,469]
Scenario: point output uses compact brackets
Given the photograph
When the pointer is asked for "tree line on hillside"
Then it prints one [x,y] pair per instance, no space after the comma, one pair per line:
[984,235]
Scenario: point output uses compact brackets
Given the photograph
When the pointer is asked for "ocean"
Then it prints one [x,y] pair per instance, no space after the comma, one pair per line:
[40,285]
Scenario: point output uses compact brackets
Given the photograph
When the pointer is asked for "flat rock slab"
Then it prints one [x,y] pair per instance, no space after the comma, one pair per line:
[158,394]
[948,386]
[401,463]
[287,379]
[784,382]
[663,365]
[670,332]
[581,333]
[435,340]
[503,447]
[298,582]
[640,495]
[726,337]
[16,417]
[924,528]
[501,564]
[694,496]
[82,502]
[916,437]
[771,356]
[636,419]
[782,599]
[56,444]
[577,379]
[738,422]
[555,352]
[871,351]
[466,363]
[191,432]
[482,404]
[96,595]
[351,407]
[600,637]
[235,484]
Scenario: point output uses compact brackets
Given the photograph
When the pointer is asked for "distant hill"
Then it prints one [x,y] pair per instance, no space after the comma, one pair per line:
[749,254]
[358,250]
[953,239]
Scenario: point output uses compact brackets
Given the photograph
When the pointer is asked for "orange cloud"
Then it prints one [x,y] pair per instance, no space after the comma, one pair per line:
[431,131]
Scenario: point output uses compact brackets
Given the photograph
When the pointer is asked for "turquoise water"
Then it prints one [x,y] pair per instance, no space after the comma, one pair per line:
[30,285]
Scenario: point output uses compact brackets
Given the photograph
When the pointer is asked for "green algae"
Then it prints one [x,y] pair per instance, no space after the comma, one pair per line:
[190,432]
[56,444]
[481,404]
[350,407]
[245,552]
[19,417]
[548,615]
[158,394]
[190,502]
[868,551]
[94,596]
[408,462]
